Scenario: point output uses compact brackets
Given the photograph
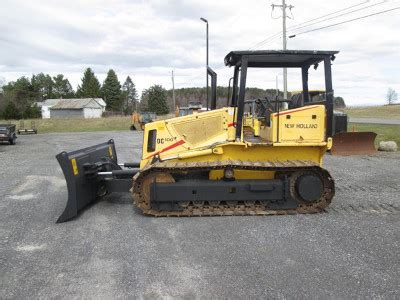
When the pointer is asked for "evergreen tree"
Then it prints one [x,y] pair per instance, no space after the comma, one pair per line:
[144,101]
[31,112]
[157,98]
[61,87]
[18,95]
[42,86]
[130,96]
[338,102]
[11,111]
[90,86]
[111,91]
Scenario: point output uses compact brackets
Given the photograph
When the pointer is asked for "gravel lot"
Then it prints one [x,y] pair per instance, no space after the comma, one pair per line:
[111,250]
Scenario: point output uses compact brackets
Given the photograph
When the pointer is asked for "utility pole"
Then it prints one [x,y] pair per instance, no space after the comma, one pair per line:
[284,6]
[206,21]
[173,90]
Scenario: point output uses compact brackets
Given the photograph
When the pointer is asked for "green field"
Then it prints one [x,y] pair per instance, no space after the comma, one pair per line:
[76,125]
[385,132]
[383,112]
[79,125]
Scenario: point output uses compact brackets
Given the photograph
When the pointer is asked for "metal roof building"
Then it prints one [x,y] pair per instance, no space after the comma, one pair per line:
[47,104]
[77,108]
[45,107]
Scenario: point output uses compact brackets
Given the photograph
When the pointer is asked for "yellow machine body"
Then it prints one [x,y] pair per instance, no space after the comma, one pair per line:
[220,162]
[297,134]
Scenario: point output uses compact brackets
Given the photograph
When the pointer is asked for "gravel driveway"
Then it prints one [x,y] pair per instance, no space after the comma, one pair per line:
[111,250]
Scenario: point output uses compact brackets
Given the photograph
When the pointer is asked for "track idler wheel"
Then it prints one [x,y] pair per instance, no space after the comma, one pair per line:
[307,187]
[159,177]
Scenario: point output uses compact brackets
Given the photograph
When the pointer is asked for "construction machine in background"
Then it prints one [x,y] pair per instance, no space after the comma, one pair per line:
[193,107]
[344,142]
[138,120]
[254,114]
[208,165]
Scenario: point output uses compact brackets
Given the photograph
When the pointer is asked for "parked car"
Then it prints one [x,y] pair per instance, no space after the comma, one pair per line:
[7,133]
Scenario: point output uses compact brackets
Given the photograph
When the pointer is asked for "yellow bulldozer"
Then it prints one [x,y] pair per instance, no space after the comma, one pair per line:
[208,165]
[253,116]
[193,107]
[139,120]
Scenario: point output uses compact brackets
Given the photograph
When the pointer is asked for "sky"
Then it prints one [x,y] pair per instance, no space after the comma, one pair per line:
[148,39]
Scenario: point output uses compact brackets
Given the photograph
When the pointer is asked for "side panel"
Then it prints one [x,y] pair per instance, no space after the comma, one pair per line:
[264,153]
[167,196]
[178,135]
[302,125]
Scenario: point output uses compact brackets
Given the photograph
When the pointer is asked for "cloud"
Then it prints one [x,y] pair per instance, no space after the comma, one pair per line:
[147,39]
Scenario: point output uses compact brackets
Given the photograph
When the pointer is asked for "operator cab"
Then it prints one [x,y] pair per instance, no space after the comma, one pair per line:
[278,126]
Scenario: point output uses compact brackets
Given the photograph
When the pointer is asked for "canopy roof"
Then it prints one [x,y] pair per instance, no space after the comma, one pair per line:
[278,58]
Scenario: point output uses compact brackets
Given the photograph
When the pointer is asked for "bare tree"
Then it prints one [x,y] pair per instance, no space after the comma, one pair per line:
[391,96]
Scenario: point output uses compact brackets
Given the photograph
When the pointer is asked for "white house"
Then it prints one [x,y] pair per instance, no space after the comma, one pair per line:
[101,102]
[77,108]
[46,105]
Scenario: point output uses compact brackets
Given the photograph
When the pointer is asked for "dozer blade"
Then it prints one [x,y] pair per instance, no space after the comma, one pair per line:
[354,143]
[83,184]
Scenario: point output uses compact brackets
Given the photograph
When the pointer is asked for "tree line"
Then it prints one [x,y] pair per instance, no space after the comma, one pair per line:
[184,96]
[18,99]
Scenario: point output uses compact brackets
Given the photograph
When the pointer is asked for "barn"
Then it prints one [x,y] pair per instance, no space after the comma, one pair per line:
[77,108]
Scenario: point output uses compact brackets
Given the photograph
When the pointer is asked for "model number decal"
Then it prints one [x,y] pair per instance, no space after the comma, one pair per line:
[165,140]
[302,126]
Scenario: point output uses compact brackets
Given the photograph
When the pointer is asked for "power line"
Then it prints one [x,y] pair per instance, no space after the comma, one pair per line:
[276,39]
[347,21]
[263,41]
[341,15]
[193,77]
[267,41]
[279,34]
[327,15]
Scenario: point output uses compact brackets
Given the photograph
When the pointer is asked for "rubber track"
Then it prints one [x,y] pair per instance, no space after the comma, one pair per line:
[240,209]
